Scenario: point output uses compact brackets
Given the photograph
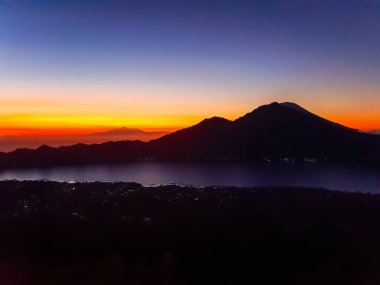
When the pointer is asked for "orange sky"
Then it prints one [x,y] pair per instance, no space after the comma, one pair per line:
[116,63]
[50,111]
[26,124]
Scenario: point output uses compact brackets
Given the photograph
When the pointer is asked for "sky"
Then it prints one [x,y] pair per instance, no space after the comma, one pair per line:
[72,67]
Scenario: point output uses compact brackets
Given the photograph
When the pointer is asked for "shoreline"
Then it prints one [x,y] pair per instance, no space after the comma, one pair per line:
[183,185]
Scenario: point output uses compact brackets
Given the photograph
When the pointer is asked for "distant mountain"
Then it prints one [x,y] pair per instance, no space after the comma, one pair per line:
[9,143]
[278,131]
[123,131]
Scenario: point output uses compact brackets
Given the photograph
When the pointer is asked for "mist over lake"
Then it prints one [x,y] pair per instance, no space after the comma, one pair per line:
[334,177]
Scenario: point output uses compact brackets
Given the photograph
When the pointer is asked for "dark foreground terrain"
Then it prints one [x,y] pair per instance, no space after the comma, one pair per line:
[123,233]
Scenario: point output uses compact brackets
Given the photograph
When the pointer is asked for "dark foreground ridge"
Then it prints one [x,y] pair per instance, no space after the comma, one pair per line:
[274,132]
[123,233]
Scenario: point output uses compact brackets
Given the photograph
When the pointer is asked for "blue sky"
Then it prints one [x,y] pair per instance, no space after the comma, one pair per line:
[183,58]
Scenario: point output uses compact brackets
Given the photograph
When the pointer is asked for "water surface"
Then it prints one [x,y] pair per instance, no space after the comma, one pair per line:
[335,177]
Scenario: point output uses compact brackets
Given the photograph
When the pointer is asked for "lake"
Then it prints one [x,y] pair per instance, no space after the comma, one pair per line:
[334,177]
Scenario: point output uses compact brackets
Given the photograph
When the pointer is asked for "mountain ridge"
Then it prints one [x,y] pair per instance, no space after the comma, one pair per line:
[127,131]
[270,132]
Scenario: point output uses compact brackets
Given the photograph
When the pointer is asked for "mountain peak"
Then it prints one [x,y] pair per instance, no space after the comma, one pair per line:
[273,107]
[274,104]
[280,113]
[290,104]
[276,130]
[296,107]
[214,120]
[44,147]
[118,131]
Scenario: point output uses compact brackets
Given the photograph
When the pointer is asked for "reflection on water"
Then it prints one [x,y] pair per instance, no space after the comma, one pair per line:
[336,177]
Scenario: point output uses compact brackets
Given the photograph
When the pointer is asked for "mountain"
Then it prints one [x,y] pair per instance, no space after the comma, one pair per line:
[78,154]
[272,131]
[306,112]
[128,132]
[278,131]
[9,143]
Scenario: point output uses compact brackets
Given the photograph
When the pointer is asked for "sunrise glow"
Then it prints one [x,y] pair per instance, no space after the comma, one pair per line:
[116,64]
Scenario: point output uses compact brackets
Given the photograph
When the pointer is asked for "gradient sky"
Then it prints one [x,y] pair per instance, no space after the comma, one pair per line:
[81,65]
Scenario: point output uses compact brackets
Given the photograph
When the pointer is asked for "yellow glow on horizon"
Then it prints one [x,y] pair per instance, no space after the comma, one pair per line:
[29,124]
[33,123]
[52,111]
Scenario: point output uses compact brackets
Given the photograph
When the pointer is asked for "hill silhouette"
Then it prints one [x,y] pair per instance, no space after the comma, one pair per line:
[273,132]
[124,131]
[12,142]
